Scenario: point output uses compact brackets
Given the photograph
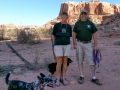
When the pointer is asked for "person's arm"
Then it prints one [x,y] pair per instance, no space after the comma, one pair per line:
[74,37]
[70,35]
[53,34]
[95,41]
[53,38]
[94,34]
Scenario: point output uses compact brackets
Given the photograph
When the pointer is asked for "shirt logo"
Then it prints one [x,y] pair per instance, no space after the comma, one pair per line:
[63,30]
[88,26]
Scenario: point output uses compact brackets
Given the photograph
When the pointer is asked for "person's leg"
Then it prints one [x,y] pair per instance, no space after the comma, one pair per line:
[65,59]
[94,79]
[59,55]
[58,67]
[92,67]
[58,70]
[81,69]
[89,57]
[66,51]
[80,58]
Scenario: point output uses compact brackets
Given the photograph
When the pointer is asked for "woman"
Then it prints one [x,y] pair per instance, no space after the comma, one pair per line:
[62,32]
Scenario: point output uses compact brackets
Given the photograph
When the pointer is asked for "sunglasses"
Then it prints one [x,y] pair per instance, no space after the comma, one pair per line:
[83,13]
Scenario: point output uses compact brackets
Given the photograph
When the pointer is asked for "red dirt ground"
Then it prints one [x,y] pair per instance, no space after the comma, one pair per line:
[108,72]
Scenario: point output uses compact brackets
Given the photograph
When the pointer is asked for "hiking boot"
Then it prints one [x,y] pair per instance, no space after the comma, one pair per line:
[57,83]
[64,82]
[81,80]
[96,81]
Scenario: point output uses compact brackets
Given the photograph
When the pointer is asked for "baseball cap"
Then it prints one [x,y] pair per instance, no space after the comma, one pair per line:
[84,10]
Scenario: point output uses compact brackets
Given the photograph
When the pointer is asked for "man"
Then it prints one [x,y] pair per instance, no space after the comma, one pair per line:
[62,32]
[83,31]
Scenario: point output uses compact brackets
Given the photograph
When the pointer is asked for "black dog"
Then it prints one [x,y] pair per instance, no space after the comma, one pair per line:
[52,67]
[21,85]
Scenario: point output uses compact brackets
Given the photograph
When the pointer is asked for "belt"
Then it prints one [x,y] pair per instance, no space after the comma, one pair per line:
[83,41]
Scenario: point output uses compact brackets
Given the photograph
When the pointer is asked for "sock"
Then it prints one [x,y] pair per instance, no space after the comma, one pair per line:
[94,77]
[81,75]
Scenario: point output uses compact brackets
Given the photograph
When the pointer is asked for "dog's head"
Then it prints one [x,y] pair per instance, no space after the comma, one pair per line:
[46,80]
[69,61]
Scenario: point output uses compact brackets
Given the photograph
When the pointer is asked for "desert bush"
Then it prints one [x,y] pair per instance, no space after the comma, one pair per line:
[11,34]
[29,37]
[8,34]
[36,54]
[25,36]
[38,57]
[22,36]
[2,33]
[43,32]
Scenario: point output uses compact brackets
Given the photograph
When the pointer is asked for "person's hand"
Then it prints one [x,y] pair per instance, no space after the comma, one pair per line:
[95,48]
[74,46]
[71,47]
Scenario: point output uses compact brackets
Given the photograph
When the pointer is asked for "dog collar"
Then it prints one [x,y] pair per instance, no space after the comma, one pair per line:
[39,86]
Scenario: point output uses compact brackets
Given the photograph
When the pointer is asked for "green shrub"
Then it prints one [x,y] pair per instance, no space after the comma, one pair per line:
[43,32]
[2,33]
[24,36]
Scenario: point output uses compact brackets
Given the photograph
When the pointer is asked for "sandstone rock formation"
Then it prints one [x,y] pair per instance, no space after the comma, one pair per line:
[7,26]
[101,13]
[101,10]
[12,26]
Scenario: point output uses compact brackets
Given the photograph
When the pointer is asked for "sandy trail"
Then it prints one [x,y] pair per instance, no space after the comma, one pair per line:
[108,72]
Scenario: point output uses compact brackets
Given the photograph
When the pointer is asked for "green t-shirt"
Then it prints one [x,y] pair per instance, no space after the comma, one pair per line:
[62,33]
[84,30]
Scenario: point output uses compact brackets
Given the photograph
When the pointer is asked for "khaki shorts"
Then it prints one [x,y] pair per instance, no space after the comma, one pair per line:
[62,50]
[84,51]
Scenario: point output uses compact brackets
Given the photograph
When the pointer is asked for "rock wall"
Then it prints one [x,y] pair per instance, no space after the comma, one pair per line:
[96,10]
[106,16]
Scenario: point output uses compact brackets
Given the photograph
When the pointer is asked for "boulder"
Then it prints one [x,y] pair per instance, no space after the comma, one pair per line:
[107,21]
[102,28]
[116,14]
[115,28]
[112,17]
[116,42]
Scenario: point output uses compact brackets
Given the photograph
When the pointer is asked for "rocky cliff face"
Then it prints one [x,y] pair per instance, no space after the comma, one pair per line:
[98,11]
[104,15]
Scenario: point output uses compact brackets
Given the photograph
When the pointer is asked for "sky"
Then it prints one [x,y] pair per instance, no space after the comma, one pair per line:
[33,12]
